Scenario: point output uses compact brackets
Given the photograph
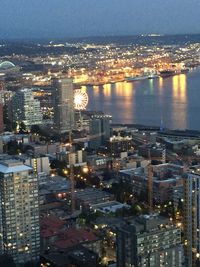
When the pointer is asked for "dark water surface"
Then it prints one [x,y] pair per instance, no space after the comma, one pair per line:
[175,100]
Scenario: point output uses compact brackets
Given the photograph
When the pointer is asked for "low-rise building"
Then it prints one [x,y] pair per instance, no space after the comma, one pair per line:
[167,181]
[86,198]
[109,207]
[118,144]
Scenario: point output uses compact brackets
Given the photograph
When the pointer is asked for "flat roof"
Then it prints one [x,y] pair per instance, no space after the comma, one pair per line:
[91,194]
[12,167]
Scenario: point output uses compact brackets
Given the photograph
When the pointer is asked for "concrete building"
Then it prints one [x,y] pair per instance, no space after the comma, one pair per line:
[99,128]
[77,257]
[192,137]
[63,104]
[167,181]
[38,149]
[110,206]
[52,190]
[150,241]
[98,162]
[78,156]
[5,96]
[5,99]
[192,219]
[1,145]
[25,108]
[86,198]
[19,212]
[154,151]
[39,164]
[1,118]
[83,257]
[118,144]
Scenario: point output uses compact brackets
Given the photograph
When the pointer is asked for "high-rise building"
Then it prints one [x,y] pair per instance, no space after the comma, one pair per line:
[151,241]
[1,144]
[25,108]
[1,118]
[63,104]
[192,219]
[5,99]
[1,110]
[99,130]
[19,212]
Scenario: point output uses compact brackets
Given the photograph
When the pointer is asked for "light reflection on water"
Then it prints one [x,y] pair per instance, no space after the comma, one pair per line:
[174,99]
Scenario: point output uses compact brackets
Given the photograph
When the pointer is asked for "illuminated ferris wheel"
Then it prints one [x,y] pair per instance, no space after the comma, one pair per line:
[80,99]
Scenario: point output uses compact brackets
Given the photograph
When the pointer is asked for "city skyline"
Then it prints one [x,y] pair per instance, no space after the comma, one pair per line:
[99,133]
[50,19]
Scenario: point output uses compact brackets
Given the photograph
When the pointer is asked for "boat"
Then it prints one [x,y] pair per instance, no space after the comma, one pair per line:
[184,71]
[153,76]
[136,78]
[167,73]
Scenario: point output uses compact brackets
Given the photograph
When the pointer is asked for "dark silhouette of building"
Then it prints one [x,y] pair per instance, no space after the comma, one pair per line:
[99,130]
[1,118]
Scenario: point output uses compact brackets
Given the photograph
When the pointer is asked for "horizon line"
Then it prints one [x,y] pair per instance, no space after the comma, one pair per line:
[95,36]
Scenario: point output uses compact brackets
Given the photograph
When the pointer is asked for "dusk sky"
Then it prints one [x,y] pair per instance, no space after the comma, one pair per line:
[77,18]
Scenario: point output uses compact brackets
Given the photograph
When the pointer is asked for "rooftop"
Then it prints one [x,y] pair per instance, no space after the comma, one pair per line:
[12,166]
[74,237]
[50,226]
[92,195]
[80,254]
[149,223]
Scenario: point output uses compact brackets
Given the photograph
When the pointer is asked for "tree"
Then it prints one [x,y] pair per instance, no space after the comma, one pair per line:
[13,148]
[122,190]
[35,129]
[80,184]
[14,126]
[22,127]
[9,126]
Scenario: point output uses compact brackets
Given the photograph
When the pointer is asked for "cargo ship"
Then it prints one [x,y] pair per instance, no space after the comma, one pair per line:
[167,73]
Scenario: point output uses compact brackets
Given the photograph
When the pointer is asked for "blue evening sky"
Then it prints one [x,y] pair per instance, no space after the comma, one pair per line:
[71,18]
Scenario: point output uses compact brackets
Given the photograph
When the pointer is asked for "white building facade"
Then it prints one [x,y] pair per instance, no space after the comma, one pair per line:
[19,212]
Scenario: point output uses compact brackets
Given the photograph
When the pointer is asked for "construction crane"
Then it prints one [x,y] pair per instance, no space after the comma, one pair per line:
[71,166]
[150,187]
[150,183]
[150,178]
[164,156]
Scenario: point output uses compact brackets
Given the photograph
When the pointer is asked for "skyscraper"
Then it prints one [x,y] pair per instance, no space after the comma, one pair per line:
[63,104]
[150,241]
[1,110]
[19,212]
[99,130]
[5,99]
[1,118]
[192,219]
[25,108]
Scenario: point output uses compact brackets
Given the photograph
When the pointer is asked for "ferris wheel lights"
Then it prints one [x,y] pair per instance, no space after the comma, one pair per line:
[80,99]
